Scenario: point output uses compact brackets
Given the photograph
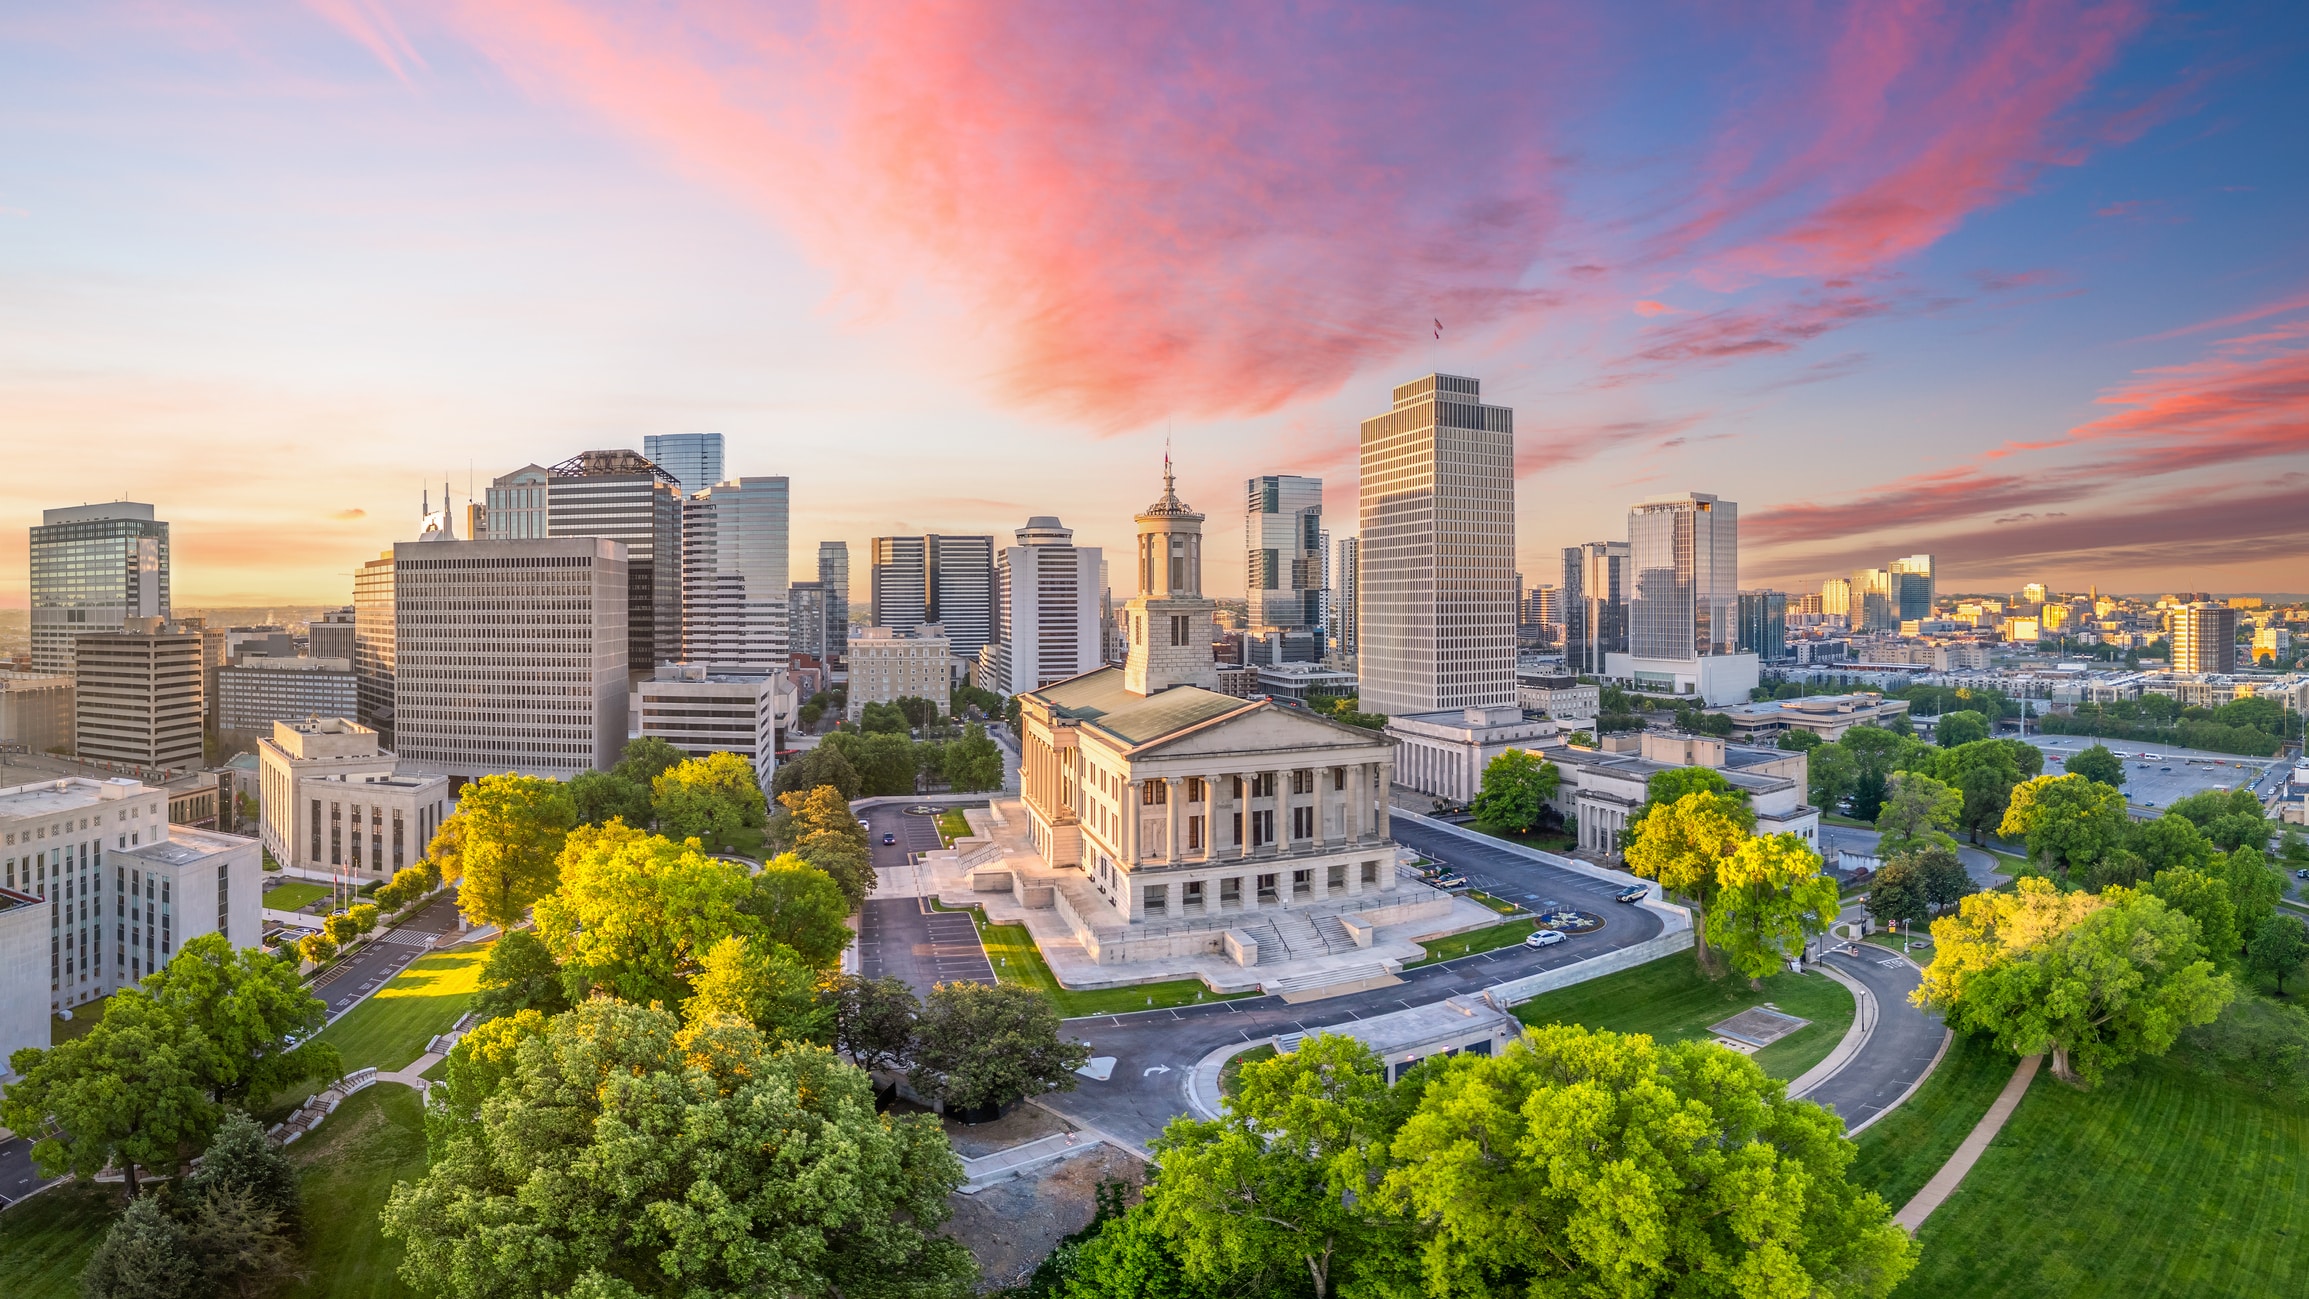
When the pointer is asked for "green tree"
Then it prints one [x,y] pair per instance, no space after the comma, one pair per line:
[407,885]
[2069,822]
[2099,765]
[129,1093]
[1939,872]
[2279,946]
[1831,774]
[242,1246]
[2096,980]
[883,719]
[519,975]
[1960,728]
[341,929]
[316,948]
[763,984]
[1896,894]
[242,1007]
[714,799]
[646,758]
[828,836]
[917,711]
[2170,841]
[1285,1185]
[886,763]
[1769,895]
[974,762]
[1129,1257]
[793,903]
[508,837]
[873,1019]
[635,912]
[2254,886]
[978,1046]
[2205,899]
[600,797]
[1799,741]
[364,916]
[624,1155]
[817,767]
[1682,845]
[239,1158]
[483,1060]
[1612,1165]
[1517,788]
[144,1255]
[1917,811]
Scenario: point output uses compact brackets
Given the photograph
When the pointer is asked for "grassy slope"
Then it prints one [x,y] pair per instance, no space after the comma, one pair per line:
[1900,1152]
[347,1168]
[953,825]
[1669,1000]
[1474,941]
[1016,959]
[45,1241]
[2164,1180]
[390,1029]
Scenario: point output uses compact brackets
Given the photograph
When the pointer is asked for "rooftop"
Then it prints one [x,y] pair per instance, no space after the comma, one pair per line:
[185,845]
[67,795]
[1098,698]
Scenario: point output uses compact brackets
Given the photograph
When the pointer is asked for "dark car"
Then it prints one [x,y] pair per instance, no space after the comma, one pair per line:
[1633,893]
[889,838]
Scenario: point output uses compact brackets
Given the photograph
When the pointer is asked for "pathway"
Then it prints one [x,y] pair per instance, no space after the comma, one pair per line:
[1951,1174]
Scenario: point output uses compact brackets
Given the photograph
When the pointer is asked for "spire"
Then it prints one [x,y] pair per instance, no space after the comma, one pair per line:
[1170,502]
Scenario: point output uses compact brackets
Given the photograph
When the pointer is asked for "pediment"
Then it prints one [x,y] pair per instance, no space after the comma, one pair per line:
[1272,730]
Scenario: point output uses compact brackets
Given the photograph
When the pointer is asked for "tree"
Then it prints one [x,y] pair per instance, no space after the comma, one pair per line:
[636,912]
[762,984]
[883,719]
[2253,886]
[801,907]
[509,835]
[342,929]
[1613,1165]
[363,916]
[2170,842]
[2279,946]
[974,762]
[624,1155]
[519,975]
[917,711]
[1940,872]
[2099,765]
[1769,895]
[644,759]
[2067,821]
[1799,741]
[2205,899]
[820,766]
[886,763]
[828,836]
[243,1247]
[2094,979]
[407,885]
[1682,844]
[144,1255]
[600,797]
[1917,811]
[1962,727]
[1896,894]
[978,1046]
[1285,1183]
[873,1019]
[128,1094]
[316,948]
[239,1158]
[484,1059]
[1517,789]
[2230,820]
[242,1007]
[1129,1257]
[714,799]
[1984,772]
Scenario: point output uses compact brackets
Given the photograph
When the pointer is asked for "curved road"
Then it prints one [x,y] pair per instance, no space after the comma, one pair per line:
[1898,1054]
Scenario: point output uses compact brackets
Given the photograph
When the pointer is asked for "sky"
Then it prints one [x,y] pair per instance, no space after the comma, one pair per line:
[2023,285]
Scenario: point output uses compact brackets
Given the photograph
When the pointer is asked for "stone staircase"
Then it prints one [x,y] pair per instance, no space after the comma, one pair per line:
[1333,935]
[1297,988]
[1299,937]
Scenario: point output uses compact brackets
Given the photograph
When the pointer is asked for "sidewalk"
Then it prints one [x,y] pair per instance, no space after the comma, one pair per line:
[1951,1174]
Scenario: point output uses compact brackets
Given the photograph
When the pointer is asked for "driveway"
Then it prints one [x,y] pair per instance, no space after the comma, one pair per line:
[344,986]
[1898,1053]
[905,938]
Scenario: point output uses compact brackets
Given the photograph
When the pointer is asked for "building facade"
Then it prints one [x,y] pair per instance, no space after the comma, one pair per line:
[1046,610]
[806,611]
[943,578]
[734,576]
[332,801]
[1603,790]
[693,458]
[137,697]
[899,583]
[702,712]
[2204,638]
[1684,555]
[1437,582]
[94,568]
[1346,599]
[887,665]
[258,691]
[1595,604]
[510,655]
[519,507]
[36,710]
[1764,624]
[1913,591]
[834,575]
[620,496]
[331,636]
[373,644]
[1283,553]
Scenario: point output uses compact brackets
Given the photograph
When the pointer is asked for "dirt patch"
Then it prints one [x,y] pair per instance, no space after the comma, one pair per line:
[1012,1226]
[1021,1125]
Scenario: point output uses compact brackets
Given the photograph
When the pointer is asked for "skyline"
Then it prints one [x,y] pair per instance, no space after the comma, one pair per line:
[2019,289]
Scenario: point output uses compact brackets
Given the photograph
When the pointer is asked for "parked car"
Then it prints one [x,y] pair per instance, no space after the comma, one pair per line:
[2302,874]
[1451,880]
[1633,893]
[889,839]
[1543,938]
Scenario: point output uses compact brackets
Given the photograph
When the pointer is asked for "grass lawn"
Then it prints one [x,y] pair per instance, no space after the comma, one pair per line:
[1544,841]
[2166,1179]
[293,895]
[1011,950]
[1475,940]
[45,1241]
[83,1022]
[1500,905]
[390,1029]
[1232,1071]
[1669,1000]
[1900,1152]
[1838,818]
[347,1168]
[953,825]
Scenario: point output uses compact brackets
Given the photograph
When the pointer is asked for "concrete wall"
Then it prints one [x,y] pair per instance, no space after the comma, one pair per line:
[23,977]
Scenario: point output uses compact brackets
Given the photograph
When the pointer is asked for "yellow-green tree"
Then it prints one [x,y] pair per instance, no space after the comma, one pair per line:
[714,799]
[636,913]
[1769,895]
[1683,844]
[502,845]
[2069,822]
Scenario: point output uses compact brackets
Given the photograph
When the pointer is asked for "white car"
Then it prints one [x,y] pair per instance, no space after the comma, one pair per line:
[1544,938]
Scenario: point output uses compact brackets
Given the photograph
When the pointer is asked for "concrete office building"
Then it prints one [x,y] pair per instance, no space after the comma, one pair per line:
[702,712]
[1595,604]
[510,655]
[1603,790]
[119,890]
[734,576]
[256,692]
[94,568]
[941,578]
[1283,559]
[834,575]
[1346,601]
[518,507]
[887,665]
[900,587]
[693,458]
[620,496]
[35,710]
[373,644]
[1437,581]
[269,641]
[137,696]
[2204,638]
[334,802]
[24,1014]
[331,636]
[1046,610]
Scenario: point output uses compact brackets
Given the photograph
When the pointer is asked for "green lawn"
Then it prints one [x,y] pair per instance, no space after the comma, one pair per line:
[1232,1071]
[347,1168]
[85,1018]
[390,1029]
[1011,950]
[294,895]
[1500,905]
[1900,1152]
[1669,1000]
[953,825]
[1545,842]
[1475,940]
[45,1241]
[2167,1179]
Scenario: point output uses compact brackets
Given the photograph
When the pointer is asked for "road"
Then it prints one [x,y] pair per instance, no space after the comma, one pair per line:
[1979,863]
[902,936]
[1899,1052]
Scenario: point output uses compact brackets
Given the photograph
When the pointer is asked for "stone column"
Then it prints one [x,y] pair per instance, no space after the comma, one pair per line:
[1243,810]
[1175,792]
[1322,787]
[1380,809]
[1130,822]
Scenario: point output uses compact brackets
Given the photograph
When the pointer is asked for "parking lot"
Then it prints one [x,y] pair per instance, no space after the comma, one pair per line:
[899,935]
[2172,774]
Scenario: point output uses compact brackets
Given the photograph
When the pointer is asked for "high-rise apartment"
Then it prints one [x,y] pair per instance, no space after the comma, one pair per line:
[806,619]
[834,575]
[94,568]
[1684,552]
[510,655]
[1437,585]
[1764,624]
[138,694]
[1595,604]
[373,645]
[734,576]
[1046,610]
[942,578]
[1875,605]
[900,584]
[1283,553]
[621,496]
[1836,598]
[1912,587]
[693,458]
[1346,598]
[2204,637]
[518,506]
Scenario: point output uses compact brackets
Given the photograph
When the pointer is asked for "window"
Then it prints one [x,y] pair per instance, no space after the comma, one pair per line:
[1230,890]
[1197,791]
[1154,792]
[1339,778]
[1370,872]
[1262,827]
[1302,823]
[1191,893]
[1194,834]
[1267,888]
[1338,877]
[1157,897]
[1302,883]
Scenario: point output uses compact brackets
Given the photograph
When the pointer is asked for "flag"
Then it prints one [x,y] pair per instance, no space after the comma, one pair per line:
[1439,329]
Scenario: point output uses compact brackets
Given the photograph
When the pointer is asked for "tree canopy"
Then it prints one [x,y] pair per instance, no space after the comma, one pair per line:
[977,1046]
[636,912]
[2068,821]
[714,799]
[502,843]
[1517,789]
[2100,765]
[1769,896]
[825,834]
[818,766]
[1683,845]
[1961,727]
[1917,811]
[973,764]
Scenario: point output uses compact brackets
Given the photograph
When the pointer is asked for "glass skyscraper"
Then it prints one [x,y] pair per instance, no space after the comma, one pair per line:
[1283,553]
[693,458]
[734,575]
[834,575]
[1594,599]
[940,578]
[1685,555]
[624,497]
[94,567]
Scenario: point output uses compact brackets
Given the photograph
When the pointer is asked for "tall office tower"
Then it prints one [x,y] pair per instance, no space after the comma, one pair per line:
[621,496]
[1168,625]
[1543,607]
[2204,638]
[1327,594]
[1438,576]
[1912,588]
[1874,604]
[373,645]
[331,635]
[94,568]
[1836,598]
[806,619]
[138,694]
[940,578]
[1595,604]
[2033,593]
[1347,584]
[1283,559]
[1685,554]
[834,575]
[482,683]
[1109,626]
[518,509]
[693,458]
[1764,624]
[1810,602]
[1046,610]
[734,575]
[900,583]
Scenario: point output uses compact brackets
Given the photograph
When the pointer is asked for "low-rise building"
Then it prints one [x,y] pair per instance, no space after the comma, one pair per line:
[1558,695]
[701,712]
[138,697]
[333,801]
[1713,679]
[1603,789]
[887,665]
[1296,682]
[1827,716]
[253,693]
[35,710]
[1443,754]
